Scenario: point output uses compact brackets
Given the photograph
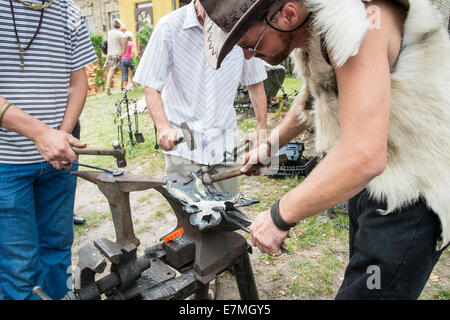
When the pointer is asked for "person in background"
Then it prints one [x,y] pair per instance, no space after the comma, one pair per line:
[129,47]
[114,56]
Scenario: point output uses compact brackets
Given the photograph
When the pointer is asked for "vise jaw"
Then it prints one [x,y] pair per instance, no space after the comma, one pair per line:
[125,271]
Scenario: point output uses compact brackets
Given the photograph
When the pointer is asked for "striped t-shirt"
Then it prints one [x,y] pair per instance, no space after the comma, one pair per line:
[61,46]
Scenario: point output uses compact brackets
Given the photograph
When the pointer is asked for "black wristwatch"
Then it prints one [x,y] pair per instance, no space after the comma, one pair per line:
[278,220]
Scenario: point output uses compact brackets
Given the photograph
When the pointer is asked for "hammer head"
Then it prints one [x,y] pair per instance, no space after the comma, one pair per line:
[121,163]
[205,175]
[188,137]
[119,154]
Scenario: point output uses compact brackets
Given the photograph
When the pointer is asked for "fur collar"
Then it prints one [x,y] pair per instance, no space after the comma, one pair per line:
[343,24]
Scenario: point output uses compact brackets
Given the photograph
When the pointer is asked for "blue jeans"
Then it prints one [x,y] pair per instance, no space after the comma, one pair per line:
[126,63]
[36,229]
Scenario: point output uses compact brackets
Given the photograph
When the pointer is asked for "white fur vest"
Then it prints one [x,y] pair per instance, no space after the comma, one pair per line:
[418,163]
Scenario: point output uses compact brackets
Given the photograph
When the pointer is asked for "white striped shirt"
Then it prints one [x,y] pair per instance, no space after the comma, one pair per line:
[174,64]
[61,46]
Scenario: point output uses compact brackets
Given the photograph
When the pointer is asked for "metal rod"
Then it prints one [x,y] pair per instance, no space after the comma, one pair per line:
[113,172]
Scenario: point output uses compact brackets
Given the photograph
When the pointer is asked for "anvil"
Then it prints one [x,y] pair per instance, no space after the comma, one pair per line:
[209,244]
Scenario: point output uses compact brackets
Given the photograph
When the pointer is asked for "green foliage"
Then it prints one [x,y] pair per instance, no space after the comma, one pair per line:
[97,41]
[136,61]
[289,66]
[144,35]
[285,104]
[100,74]
[287,93]
[100,71]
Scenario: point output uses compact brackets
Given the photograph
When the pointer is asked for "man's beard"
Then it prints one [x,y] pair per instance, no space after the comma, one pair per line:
[278,58]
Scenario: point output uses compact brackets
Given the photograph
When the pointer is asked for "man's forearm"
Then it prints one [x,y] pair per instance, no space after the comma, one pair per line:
[287,130]
[155,107]
[258,98]
[76,100]
[16,120]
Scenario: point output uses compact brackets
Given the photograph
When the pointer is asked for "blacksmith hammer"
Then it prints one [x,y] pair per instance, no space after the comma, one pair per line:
[209,179]
[187,137]
[117,152]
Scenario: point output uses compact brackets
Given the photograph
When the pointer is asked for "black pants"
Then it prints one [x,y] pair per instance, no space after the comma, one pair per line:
[391,256]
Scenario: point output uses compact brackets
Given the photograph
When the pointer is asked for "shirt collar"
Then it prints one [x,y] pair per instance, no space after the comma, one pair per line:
[191,20]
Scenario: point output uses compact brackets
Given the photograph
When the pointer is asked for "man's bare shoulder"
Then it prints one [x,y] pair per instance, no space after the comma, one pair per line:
[391,13]
[387,18]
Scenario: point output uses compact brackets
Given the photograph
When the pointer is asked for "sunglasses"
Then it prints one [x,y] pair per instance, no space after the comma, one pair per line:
[268,21]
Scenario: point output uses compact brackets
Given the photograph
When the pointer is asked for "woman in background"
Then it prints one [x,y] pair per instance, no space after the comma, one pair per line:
[129,48]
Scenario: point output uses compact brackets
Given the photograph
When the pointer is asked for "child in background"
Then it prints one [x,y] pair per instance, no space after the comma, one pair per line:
[129,48]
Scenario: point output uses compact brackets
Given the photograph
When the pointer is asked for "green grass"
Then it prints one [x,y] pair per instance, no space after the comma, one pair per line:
[443,294]
[291,86]
[278,274]
[266,189]
[314,231]
[99,130]
[159,213]
[93,219]
[144,197]
[314,276]
[143,228]
[435,291]
[248,125]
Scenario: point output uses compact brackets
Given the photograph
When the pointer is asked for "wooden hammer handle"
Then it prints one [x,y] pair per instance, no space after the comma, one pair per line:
[237,171]
[98,152]
[227,174]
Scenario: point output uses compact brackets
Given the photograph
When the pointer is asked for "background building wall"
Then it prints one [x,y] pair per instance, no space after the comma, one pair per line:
[99,14]
[127,11]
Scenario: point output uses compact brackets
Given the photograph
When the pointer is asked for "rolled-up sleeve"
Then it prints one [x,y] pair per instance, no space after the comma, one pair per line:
[82,50]
[157,60]
[253,72]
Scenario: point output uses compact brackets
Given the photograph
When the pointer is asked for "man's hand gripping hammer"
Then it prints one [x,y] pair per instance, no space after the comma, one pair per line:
[117,152]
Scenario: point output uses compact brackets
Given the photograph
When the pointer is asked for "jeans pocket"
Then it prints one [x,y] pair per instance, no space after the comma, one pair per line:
[16,181]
